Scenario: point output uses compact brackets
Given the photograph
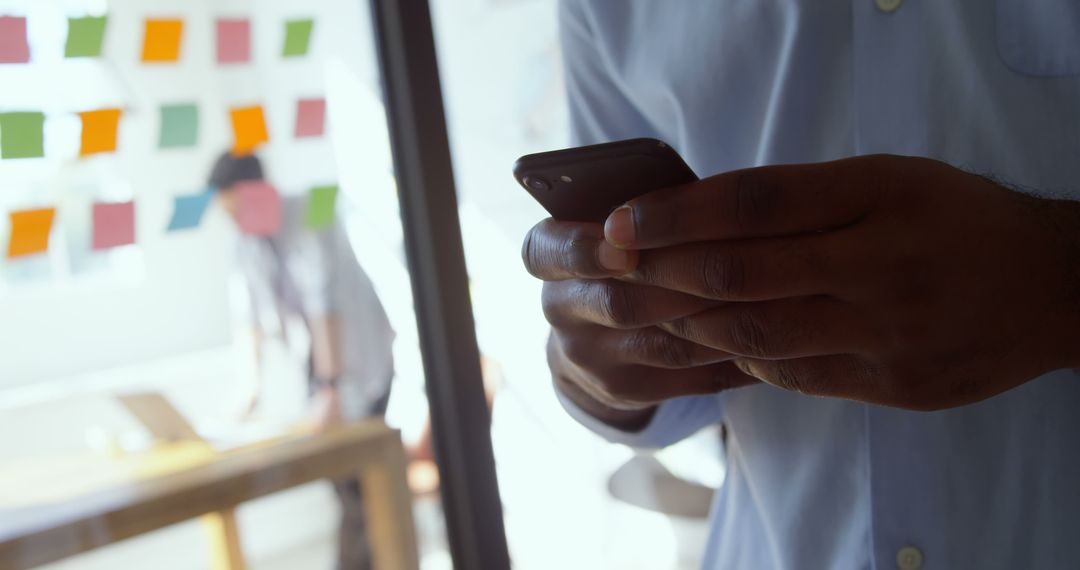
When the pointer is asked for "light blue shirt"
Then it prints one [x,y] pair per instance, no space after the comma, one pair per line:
[992,86]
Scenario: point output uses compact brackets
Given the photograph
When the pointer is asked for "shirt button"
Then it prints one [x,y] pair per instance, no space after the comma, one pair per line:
[909,558]
[888,5]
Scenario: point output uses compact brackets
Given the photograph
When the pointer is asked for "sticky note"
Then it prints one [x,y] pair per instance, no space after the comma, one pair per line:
[320,207]
[179,125]
[22,135]
[161,40]
[30,231]
[233,41]
[114,225]
[249,128]
[188,210]
[297,37]
[259,209]
[85,36]
[310,117]
[99,131]
[13,46]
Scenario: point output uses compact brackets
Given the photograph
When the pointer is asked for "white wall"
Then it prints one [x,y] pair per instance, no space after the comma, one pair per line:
[178,301]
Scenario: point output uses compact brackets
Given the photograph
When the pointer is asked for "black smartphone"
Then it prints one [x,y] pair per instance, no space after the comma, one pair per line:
[584,184]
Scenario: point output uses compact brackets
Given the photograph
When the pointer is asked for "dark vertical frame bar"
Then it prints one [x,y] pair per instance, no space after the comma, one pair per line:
[459,414]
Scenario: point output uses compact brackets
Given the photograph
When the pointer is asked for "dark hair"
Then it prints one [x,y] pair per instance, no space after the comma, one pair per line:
[230,169]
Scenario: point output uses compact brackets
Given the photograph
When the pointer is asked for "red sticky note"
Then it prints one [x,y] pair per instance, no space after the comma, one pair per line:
[310,117]
[13,46]
[249,128]
[233,41]
[30,231]
[114,225]
[259,210]
[99,131]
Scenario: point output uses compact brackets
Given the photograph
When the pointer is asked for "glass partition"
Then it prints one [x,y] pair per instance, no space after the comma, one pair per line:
[168,336]
[502,79]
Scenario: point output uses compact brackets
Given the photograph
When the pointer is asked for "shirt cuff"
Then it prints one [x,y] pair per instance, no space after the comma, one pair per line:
[662,430]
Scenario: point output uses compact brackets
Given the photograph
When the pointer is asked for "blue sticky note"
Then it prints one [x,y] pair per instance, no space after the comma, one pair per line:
[189,210]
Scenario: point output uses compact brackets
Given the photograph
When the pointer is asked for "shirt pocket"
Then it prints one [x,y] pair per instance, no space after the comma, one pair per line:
[1039,37]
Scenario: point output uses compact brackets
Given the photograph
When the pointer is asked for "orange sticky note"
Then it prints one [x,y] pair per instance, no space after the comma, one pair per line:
[249,128]
[99,131]
[161,40]
[30,231]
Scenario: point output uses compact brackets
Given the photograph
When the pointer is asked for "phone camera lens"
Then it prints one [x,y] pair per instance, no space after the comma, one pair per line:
[537,183]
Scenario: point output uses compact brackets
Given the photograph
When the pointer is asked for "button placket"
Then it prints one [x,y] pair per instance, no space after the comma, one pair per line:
[888,5]
[909,558]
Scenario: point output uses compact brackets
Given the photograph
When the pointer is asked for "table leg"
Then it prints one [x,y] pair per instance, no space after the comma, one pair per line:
[223,533]
[388,505]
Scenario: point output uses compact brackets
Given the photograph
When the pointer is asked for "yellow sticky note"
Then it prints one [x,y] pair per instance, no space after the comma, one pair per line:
[99,131]
[30,231]
[249,128]
[161,41]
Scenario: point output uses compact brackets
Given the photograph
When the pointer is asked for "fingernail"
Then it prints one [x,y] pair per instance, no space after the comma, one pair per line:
[613,258]
[619,228]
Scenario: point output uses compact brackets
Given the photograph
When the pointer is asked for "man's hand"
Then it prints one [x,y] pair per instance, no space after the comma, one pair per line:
[892,280]
[327,408]
[606,352]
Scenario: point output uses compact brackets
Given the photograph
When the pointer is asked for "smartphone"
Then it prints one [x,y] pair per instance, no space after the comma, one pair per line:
[585,184]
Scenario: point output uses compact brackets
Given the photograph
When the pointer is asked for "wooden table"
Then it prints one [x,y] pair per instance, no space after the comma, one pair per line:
[52,509]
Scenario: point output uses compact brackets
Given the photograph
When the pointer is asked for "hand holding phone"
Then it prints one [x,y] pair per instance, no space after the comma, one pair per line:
[606,352]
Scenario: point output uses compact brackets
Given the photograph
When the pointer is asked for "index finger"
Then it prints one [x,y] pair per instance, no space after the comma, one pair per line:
[757,202]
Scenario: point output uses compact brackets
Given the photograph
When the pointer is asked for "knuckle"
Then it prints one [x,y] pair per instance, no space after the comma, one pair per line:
[723,275]
[579,252]
[615,384]
[749,335]
[681,327]
[616,304]
[787,377]
[629,386]
[661,350]
[576,349]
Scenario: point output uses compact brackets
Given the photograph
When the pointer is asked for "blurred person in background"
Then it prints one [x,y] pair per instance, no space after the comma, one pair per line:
[313,274]
[889,340]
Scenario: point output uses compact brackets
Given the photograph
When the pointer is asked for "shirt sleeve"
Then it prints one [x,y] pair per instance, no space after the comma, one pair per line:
[311,266]
[254,266]
[674,421]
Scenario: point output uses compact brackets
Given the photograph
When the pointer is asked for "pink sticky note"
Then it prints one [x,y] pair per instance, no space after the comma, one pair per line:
[259,211]
[233,41]
[13,46]
[114,225]
[310,117]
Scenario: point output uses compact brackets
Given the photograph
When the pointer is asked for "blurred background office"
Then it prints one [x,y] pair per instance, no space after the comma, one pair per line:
[135,289]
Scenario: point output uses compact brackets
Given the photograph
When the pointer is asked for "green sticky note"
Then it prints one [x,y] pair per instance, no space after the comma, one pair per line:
[320,210]
[179,126]
[22,135]
[85,36]
[297,37]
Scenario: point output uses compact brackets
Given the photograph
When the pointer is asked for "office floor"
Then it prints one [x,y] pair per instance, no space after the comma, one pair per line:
[318,552]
